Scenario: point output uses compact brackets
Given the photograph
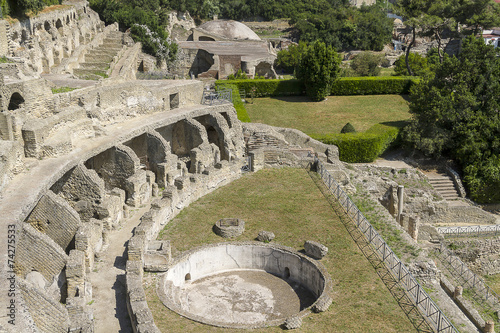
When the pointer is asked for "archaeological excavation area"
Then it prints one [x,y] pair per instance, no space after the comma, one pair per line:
[97,181]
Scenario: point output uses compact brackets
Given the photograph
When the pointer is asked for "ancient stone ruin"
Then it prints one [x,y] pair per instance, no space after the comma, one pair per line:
[77,166]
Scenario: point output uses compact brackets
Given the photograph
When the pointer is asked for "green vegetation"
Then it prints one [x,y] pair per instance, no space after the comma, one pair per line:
[348,128]
[19,8]
[237,102]
[392,236]
[455,113]
[433,18]
[288,203]
[374,85]
[147,21]
[418,64]
[288,59]
[363,147]
[328,116]
[366,64]
[319,67]
[263,87]
[59,90]
[493,282]
[4,60]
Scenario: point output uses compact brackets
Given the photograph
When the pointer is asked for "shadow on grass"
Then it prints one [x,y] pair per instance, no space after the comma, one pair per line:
[404,302]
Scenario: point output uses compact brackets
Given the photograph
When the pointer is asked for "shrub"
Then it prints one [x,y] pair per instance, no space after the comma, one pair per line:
[418,65]
[265,87]
[372,85]
[366,64]
[348,128]
[241,111]
[362,147]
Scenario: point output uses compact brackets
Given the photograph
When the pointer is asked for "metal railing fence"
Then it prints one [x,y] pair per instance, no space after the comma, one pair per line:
[400,272]
[218,96]
[482,293]
[471,230]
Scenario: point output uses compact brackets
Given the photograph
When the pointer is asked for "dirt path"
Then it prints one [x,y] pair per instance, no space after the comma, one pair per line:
[108,280]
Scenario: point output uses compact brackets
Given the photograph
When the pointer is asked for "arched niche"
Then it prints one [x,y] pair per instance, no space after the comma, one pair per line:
[16,101]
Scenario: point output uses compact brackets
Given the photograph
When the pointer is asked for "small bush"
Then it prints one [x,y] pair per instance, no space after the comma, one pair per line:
[372,85]
[362,147]
[348,128]
[366,64]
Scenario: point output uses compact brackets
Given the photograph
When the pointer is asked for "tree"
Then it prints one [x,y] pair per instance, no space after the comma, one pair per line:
[417,62]
[366,64]
[319,67]
[288,59]
[456,114]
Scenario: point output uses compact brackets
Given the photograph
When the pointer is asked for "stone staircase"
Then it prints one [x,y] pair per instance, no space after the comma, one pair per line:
[444,185]
[98,61]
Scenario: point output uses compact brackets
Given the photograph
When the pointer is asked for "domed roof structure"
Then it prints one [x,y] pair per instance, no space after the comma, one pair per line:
[229,29]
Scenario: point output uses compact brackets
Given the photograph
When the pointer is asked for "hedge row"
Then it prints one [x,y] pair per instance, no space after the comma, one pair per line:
[375,85]
[237,102]
[362,147]
[264,87]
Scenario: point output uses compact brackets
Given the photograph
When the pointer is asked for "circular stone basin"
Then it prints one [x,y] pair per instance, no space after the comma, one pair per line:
[243,285]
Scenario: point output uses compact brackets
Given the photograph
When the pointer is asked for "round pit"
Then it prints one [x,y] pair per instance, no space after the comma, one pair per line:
[243,285]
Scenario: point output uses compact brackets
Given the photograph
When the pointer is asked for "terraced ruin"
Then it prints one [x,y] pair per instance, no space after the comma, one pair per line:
[113,159]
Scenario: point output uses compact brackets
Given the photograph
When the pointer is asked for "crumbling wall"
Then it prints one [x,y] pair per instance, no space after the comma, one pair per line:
[54,217]
[115,166]
[481,255]
[49,315]
[37,252]
[81,186]
[46,39]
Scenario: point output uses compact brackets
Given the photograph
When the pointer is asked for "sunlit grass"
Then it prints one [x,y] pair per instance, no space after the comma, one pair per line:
[288,203]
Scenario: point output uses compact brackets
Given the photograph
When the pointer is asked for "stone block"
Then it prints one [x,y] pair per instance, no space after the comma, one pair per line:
[315,249]
[265,236]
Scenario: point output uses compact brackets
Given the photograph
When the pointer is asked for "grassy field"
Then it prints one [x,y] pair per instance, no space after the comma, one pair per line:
[493,282]
[289,203]
[330,115]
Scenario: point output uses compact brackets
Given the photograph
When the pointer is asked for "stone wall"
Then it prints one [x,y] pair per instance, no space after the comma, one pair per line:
[38,252]
[50,316]
[54,217]
[46,39]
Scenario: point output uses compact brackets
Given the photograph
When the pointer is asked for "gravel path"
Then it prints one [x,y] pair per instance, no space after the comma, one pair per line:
[108,280]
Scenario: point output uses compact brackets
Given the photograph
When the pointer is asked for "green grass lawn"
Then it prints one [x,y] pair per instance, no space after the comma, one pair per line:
[329,116]
[288,203]
[493,282]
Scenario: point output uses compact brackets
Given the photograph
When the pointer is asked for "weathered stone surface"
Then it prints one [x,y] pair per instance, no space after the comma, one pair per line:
[315,249]
[229,227]
[265,236]
[293,323]
[322,304]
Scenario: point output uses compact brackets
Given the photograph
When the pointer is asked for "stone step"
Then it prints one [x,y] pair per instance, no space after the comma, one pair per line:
[89,74]
[113,41]
[101,66]
[110,48]
[98,58]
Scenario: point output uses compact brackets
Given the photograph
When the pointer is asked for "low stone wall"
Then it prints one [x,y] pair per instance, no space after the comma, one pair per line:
[271,258]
